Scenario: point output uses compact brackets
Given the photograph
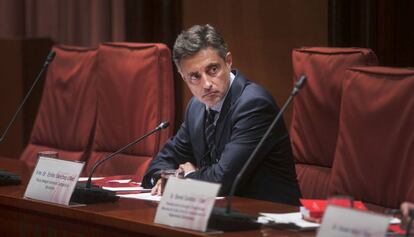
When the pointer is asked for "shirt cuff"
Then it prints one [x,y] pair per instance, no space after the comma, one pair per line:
[187,173]
[155,177]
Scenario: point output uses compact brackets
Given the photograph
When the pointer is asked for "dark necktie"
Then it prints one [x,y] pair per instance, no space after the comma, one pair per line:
[210,130]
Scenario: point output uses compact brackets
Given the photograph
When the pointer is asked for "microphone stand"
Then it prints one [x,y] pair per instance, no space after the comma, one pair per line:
[6,177]
[225,219]
[49,59]
[88,194]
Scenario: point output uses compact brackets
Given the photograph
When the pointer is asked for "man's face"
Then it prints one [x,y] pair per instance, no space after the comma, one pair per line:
[207,75]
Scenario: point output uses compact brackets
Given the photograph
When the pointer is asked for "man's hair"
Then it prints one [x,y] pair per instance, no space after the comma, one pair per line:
[196,38]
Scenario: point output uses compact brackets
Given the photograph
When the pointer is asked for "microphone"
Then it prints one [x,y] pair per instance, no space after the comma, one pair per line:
[88,194]
[228,220]
[6,177]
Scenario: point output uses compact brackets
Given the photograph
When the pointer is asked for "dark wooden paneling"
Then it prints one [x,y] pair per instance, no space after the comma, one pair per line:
[382,25]
[395,38]
[352,23]
[156,21]
[20,62]
[11,92]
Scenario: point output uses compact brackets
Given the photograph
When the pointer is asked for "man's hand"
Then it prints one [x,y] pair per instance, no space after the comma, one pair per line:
[158,187]
[187,168]
[405,210]
[406,207]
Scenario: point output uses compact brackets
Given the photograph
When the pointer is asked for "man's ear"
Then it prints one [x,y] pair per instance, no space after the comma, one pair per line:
[179,72]
[229,59]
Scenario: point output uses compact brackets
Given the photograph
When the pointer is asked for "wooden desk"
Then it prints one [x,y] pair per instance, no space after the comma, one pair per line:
[127,217]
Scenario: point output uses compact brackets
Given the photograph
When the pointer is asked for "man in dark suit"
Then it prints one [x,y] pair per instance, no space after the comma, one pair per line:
[224,122]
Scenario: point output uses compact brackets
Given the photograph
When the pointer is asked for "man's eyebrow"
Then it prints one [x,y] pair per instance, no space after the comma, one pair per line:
[212,65]
[195,73]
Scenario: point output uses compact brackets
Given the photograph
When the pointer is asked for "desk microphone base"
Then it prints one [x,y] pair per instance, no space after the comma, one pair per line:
[9,178]
[232,221]
[93,194]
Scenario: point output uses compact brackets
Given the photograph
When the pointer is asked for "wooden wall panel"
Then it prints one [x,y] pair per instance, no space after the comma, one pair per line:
[261,35]
[20,62]
[11,93]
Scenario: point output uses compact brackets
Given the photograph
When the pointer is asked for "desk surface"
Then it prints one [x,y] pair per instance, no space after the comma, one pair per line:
[127,217]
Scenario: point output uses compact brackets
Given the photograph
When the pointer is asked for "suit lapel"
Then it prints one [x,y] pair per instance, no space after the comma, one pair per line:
[234,93]
[199,140]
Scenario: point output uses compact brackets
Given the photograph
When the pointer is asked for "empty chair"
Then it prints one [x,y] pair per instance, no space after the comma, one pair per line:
[66,116]
[315,118]
[136,93]
[374,159]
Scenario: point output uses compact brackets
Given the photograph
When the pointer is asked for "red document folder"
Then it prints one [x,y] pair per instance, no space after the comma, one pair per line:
[316,207]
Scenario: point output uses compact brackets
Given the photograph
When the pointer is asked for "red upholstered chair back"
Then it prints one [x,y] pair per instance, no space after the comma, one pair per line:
[66,115]
[314,125]
[374,159]
[135,91]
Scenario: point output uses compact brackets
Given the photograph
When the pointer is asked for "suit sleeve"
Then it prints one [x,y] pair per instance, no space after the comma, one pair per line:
[176,151]
[249,122]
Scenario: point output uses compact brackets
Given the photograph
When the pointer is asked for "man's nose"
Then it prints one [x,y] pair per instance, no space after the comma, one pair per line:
[207,82]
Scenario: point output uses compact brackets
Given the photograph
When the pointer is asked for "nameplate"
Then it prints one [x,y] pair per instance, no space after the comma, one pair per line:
[186,203]
[53,180]
[347,222]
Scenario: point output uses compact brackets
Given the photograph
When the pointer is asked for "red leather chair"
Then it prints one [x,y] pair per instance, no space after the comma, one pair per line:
[315,118]
[66,116]
[135,91]
[374,159]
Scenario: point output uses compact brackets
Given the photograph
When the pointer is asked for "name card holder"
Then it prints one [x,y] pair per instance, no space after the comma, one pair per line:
[187,203]
[347,222]
[53,180]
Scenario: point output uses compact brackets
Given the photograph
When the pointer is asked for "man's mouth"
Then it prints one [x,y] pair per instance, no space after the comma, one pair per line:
[209,94]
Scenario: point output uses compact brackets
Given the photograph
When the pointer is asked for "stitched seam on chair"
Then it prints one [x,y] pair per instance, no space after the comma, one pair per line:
[310,164]
[161,89]
[74,49]
[141,46]
[367,71]
[122,153]
[59,148]
[356,51]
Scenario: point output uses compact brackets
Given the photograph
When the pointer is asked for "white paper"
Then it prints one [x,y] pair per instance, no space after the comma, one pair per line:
[121,181]
[142,196]
[395,221]
[346,222]
[187,203]
[147,196]
[82,179]
[53,180]
[118,189]
[289,218]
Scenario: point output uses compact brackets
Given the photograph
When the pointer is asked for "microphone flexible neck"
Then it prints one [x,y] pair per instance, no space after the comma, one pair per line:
[163,125]
[246,165]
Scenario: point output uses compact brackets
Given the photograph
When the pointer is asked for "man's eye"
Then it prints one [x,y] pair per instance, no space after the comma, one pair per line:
[213,70]
[194,78]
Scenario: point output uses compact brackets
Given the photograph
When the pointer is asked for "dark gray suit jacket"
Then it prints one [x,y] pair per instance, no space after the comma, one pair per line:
[247,112]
